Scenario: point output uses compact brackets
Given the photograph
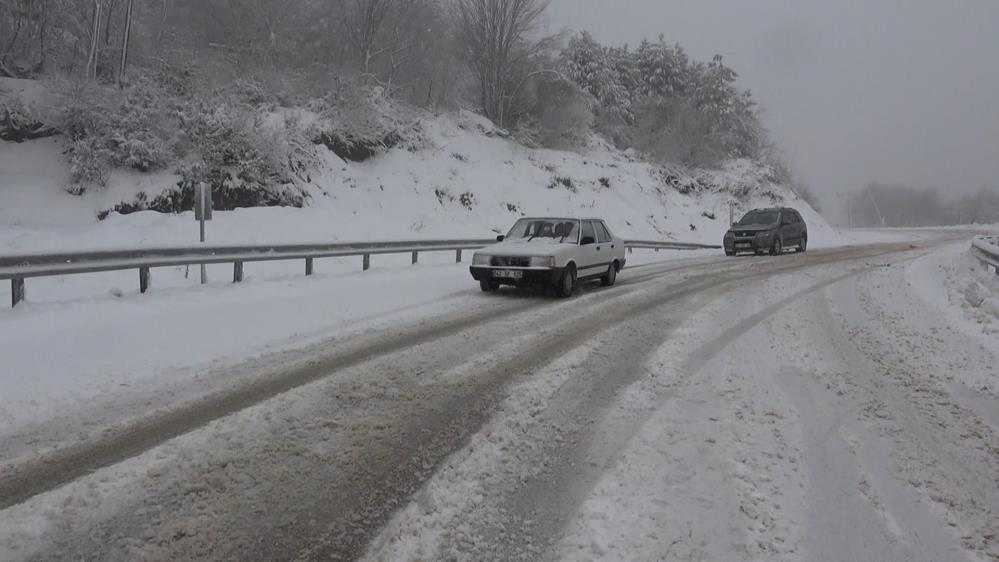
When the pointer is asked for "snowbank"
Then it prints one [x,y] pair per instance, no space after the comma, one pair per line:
[963,287]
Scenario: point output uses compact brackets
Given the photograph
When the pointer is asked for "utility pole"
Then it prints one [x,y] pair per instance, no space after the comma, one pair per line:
[849,210]
[877,210]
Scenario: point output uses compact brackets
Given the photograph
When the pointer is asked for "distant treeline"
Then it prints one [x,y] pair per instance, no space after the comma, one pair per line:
[904,206]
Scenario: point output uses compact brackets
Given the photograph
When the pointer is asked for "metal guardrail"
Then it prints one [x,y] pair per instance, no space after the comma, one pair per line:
[17,268]
[660,245]
[986,249]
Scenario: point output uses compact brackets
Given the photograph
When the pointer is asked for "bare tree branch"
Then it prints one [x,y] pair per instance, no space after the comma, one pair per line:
[495,39]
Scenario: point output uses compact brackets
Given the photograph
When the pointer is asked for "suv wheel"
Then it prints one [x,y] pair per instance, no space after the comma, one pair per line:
[778,247]
[567,284]
[489,286]
[611,277]
[803,245]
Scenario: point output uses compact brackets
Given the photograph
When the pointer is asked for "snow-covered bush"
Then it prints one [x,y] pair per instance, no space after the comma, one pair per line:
[114,128]
[20,121]
[247,157]
[358,122]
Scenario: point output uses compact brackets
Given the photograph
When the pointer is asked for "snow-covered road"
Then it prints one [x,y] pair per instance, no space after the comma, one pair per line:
[812,407]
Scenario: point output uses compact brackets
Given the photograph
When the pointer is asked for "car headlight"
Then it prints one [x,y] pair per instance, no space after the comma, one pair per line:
[543,261]
[480,259]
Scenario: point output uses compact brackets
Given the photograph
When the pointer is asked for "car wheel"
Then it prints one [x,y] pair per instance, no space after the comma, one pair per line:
[729,254]
[611,277]
[567,284]
[778,248]
[488,286]
[803,245]
[760,252]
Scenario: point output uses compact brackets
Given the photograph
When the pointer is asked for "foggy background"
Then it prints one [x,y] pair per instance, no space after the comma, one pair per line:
[900,92]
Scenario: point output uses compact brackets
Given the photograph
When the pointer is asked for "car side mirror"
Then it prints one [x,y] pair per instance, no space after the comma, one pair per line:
[500,238]
[587,240]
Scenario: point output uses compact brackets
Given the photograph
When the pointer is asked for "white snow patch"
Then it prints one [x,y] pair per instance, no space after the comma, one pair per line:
[961,287]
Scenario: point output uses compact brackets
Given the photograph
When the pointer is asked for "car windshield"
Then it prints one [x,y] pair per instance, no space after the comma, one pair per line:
[559,230]
[758,217]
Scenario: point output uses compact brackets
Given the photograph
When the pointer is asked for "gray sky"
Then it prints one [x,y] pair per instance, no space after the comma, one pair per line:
[854,91]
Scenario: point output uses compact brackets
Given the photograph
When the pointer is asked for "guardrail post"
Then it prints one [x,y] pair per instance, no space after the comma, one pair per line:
[457,256]
[16,291]
[367,262]
[237,272]
[145,277]
[310,266]
[631,250]
[416,257]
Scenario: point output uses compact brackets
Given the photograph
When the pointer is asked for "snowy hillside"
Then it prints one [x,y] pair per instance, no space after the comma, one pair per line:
[466,181]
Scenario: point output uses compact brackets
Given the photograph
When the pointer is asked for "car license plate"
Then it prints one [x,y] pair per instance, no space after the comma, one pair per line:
[743,244]
[508,274]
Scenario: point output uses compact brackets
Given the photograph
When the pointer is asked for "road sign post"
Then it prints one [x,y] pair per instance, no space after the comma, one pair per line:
[202,213]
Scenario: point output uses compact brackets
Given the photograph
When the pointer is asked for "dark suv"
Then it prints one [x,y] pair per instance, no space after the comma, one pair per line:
[767,230]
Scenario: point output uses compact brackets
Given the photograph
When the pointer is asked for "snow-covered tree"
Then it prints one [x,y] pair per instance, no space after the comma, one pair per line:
[730,113]
[713,88]
[591,66]
[663,68]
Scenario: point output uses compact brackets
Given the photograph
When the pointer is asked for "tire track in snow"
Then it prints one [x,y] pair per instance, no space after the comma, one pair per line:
[546,502]
[945,462]
[371,495]
[414,443]
[549,503]
[19,481]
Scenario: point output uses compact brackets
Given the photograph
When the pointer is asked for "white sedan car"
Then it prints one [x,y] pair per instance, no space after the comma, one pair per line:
[551,252]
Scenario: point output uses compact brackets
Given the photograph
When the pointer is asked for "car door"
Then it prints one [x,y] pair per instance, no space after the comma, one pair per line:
[589,252]
[797,226]
[802,227]
[788,235]
[604,254]
[610,246]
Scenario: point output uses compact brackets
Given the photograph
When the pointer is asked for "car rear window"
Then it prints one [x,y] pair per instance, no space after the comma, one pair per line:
[603,235]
